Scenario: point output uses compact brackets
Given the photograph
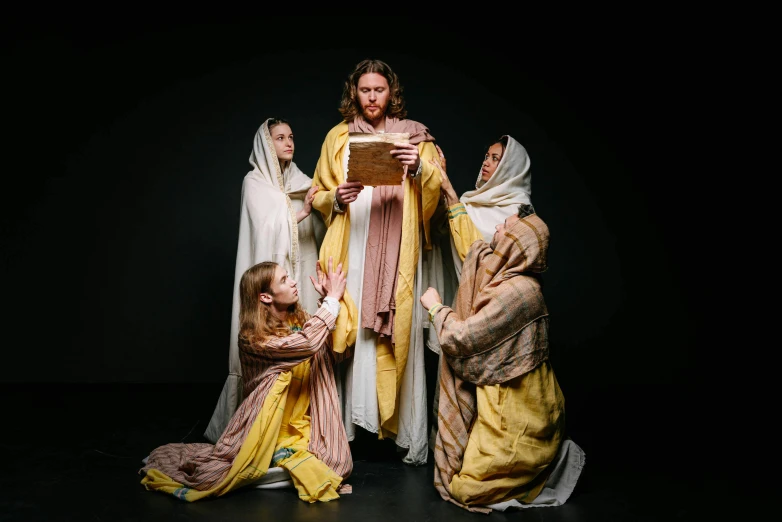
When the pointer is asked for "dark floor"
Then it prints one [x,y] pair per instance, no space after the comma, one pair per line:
[72,452]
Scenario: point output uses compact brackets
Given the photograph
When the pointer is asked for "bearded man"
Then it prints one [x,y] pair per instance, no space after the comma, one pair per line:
[379,235]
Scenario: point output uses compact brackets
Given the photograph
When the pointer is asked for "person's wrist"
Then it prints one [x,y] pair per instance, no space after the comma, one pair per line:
[433,310]
[456,209]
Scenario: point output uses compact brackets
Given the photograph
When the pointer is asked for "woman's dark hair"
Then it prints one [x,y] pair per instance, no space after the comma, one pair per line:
[276,121]
[502,140]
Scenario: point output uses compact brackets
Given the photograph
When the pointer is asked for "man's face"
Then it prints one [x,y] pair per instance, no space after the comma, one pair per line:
[282,137]
[284,292]
[373,96]
[500,229]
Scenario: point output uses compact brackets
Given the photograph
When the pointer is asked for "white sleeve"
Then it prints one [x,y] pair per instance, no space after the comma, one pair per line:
[332,305]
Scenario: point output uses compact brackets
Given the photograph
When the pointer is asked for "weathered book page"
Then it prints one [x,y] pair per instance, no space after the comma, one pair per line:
[370,160]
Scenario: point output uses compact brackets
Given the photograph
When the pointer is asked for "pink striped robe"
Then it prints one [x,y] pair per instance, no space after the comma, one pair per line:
[203,466]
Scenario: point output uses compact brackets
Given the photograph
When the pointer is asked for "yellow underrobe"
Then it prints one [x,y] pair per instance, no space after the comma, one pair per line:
[514,438]
[281,427]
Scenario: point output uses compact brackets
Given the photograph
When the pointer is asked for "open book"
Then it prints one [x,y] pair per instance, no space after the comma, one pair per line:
[370,160]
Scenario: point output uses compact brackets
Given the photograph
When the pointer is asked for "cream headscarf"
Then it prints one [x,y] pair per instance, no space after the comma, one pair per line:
[270,197]
[494,200]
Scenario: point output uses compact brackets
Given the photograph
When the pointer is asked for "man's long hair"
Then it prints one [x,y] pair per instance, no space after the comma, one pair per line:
[256,322]
[350,106]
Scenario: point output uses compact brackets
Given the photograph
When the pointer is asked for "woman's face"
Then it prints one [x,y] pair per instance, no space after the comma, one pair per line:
[490,162]
[282,137]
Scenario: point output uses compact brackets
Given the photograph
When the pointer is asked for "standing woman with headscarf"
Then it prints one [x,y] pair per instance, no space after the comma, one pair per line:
[273,226]
[504,182]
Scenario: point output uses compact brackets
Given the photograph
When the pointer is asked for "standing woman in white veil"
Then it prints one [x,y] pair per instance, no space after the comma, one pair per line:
[273,226]
[504,181]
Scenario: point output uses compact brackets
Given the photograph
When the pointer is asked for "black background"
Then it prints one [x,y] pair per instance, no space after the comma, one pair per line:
[126,146]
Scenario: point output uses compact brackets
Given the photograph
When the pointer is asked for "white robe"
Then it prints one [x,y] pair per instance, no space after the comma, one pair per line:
[359,386]
[268,232]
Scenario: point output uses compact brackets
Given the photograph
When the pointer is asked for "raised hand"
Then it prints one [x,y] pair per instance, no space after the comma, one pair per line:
[318,285]
[335,280]
[442,159]
[446,188]
[331,283]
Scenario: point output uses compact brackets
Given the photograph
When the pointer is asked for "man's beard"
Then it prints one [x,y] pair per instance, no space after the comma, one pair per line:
[380,114]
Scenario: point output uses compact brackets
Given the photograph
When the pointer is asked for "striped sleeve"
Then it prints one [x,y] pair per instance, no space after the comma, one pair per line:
[298,345]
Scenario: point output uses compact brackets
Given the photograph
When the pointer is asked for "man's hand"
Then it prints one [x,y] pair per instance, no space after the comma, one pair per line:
[331,283]
[407,154]
[430,298]
[321,279]
[348,192]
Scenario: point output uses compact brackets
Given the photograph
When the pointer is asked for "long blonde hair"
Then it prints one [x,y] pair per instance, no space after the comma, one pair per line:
[256,322]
